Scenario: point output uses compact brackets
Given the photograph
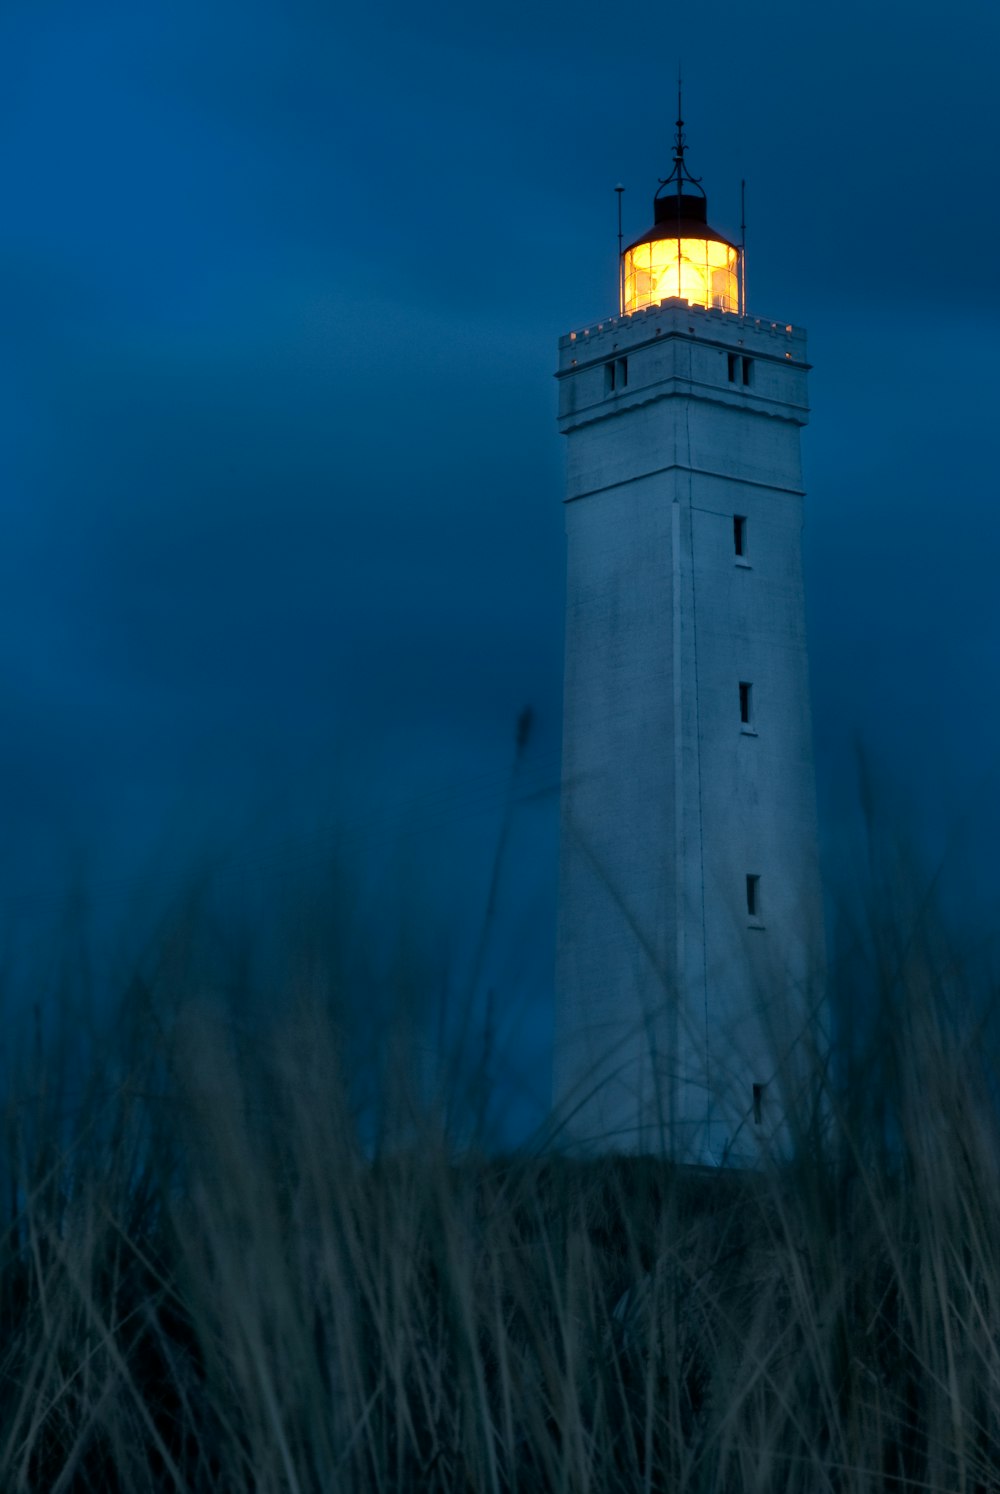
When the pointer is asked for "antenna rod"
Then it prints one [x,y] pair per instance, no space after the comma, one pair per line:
[621,263]
[743,248]
[679,158]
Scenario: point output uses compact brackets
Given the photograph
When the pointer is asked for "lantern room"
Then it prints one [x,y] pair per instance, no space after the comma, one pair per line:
[681,256]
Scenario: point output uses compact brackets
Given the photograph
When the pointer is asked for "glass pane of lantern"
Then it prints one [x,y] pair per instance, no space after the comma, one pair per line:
[699,271]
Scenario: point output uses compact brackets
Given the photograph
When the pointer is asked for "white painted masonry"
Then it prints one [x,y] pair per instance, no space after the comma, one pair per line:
[673,999]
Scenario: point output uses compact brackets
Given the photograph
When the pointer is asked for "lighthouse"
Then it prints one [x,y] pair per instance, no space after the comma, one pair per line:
[690,935]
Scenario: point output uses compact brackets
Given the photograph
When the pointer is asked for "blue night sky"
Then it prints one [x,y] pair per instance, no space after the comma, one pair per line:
[281,290]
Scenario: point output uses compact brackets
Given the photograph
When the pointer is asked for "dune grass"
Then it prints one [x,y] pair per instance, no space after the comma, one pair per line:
[215,1274]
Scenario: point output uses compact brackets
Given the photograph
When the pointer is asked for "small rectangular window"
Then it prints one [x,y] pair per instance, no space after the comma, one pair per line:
[622,372]
[740,534]
[733,360]
[747,370]
[609,377]
[745,698]
[753,896]
[758,1104]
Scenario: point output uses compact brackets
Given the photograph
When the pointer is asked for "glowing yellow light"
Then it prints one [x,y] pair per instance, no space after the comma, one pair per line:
[699,271]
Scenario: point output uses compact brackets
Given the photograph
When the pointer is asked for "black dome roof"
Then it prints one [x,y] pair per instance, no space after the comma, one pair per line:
[681,215]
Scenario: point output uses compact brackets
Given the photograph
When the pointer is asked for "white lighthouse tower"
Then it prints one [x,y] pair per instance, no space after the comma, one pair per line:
[690,945]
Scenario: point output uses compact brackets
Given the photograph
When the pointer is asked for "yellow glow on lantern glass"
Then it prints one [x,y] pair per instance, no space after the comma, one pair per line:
[699,271]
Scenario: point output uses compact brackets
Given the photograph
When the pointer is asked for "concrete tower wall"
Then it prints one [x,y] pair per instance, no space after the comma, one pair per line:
[673,1001]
